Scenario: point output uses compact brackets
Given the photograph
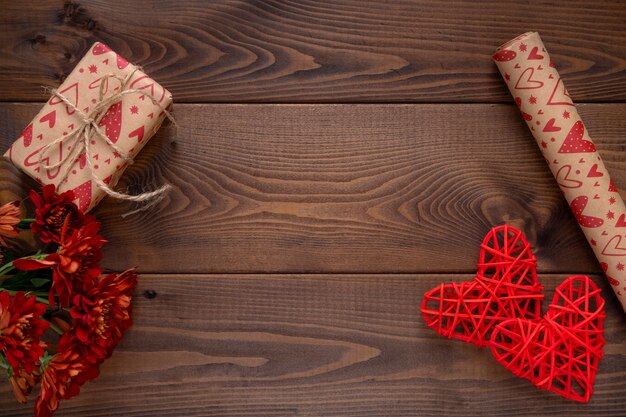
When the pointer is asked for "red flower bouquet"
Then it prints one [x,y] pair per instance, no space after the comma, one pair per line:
[57,291]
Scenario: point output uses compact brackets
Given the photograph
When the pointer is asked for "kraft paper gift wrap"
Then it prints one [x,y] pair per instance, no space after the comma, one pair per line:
[549,112]
[128,122]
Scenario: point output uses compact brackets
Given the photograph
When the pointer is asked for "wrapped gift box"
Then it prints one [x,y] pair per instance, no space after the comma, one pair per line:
[128,120]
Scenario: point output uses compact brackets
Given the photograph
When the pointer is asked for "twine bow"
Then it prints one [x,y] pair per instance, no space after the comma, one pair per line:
[79,138]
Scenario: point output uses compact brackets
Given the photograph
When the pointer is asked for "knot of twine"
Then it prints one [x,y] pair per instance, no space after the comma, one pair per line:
[89,125]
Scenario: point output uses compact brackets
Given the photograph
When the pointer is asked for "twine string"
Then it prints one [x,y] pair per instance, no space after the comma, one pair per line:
[89,125]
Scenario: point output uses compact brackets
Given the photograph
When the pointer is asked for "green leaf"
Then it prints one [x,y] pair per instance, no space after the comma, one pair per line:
[39,282]
[28,280]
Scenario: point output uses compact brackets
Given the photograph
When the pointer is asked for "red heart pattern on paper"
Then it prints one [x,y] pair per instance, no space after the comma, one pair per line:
[561,352]
[112,122]
[121,62]
[534,55]
[559,95]
[138,133]
[147,83]
[82,160]
[564,180]
[504,55]
[33,160]
[593,172]
[613,247]
[27,135]
[505,286]
[50,118]
[578,206]
[73,89]
[525,81]
[551,127]
[95,84]
[574,141]
[83,195]
[100,48]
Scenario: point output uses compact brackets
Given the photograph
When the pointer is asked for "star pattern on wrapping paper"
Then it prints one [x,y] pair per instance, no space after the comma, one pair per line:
[134,109]
[507,76]
[610,215]
[544,144]
[619,266]
[566,114]
[612,200]
[93,69]
[522,47]
[532,99]
[593,242]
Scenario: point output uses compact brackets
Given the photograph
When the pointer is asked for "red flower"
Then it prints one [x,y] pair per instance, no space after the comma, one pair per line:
[102,313]
[23,383]
[21,327]
[62,376]
[51,213]
[9,218]
[75,263]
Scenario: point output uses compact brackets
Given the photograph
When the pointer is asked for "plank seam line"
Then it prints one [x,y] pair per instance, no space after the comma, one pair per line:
[335,103]
[362,274]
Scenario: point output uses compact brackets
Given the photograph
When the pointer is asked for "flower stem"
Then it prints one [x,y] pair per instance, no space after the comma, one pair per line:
[6,268]
[9,266]
[25,223]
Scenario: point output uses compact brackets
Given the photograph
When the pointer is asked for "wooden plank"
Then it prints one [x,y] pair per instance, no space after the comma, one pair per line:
[315,51]
[315,345]
[340,188]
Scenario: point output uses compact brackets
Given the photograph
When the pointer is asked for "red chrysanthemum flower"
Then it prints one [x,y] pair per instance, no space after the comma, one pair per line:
[62,375]
[21,327]
[9,218]
[22,383]
[75,263]
[102,314]
[52,211]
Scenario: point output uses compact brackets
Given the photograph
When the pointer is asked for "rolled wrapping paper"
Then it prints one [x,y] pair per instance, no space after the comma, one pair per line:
[550,114]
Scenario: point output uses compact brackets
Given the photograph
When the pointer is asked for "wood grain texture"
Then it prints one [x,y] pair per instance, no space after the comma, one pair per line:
[308,345]
[340,188]
[315,51]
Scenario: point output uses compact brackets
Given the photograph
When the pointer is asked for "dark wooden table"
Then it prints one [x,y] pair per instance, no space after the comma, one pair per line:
[335,159]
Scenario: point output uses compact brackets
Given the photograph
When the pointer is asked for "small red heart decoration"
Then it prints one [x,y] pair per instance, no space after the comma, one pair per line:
[504,55]
[100,48]
[534,55]
[561,352]
[550,126]
[578,207]
[505,287]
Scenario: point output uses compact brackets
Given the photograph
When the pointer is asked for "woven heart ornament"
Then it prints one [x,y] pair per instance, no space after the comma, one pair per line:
[505,287]
[561,352]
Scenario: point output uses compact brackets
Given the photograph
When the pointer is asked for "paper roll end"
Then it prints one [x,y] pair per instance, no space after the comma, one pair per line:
[508,50]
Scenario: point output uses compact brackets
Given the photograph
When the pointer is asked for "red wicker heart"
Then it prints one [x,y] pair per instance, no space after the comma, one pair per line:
[505,287]
[561,352]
